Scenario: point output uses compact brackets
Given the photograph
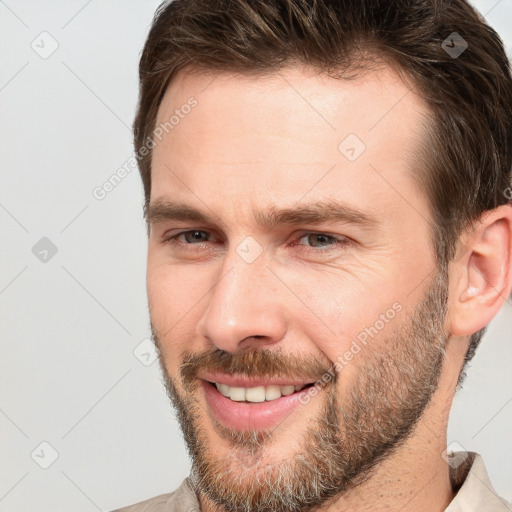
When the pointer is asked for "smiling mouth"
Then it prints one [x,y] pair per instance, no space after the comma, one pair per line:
[257,394]
[253,404]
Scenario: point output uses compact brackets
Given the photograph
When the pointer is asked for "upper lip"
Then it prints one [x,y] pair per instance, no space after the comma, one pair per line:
[242,381]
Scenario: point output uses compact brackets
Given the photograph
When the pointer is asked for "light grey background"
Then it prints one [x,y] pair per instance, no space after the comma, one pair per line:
[70,324]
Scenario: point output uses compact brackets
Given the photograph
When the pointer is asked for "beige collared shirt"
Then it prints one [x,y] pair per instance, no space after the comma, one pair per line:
[467,473]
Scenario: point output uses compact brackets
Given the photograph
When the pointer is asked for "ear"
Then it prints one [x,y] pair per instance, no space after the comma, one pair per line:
[481,272]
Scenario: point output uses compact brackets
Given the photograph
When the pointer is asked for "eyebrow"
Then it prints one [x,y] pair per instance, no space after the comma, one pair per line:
[320,212]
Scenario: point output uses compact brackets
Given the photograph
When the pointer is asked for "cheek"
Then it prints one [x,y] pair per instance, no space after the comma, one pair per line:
[174,298]
[347,314]
[172,287]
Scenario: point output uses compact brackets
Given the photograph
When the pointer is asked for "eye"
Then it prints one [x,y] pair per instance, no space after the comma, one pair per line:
[196,239]
[193,240]
[193,236]
[320,242]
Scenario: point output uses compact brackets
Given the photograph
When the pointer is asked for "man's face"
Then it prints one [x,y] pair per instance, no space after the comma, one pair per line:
[309,260]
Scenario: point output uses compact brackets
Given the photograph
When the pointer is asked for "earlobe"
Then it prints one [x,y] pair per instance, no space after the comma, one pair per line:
[482,276]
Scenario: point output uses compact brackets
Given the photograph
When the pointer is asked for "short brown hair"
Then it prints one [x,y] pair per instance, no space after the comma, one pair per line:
[467,151]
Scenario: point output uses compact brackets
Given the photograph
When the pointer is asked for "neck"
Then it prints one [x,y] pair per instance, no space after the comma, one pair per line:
[415,478]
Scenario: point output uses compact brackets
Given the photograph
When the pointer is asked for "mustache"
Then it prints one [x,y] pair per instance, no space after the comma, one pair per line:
[253,363]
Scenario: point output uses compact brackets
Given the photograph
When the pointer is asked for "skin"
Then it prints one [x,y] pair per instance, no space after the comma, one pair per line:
[257,143]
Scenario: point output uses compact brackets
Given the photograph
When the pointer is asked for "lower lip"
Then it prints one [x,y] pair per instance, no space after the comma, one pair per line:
[252,416]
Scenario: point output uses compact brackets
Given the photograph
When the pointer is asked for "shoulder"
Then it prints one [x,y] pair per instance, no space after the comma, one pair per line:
[156,504]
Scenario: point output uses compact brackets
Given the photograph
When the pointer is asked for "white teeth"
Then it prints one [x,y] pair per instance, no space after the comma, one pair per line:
[256,394]
[272,392]
[223,389]
[288,390]
[237,394]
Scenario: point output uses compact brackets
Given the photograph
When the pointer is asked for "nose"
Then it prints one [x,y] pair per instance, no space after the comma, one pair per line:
[245,309]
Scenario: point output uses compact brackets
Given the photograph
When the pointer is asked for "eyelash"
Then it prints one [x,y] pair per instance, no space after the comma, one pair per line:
[343,241]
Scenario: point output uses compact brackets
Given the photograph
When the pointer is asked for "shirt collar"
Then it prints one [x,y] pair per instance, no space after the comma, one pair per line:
[470,481]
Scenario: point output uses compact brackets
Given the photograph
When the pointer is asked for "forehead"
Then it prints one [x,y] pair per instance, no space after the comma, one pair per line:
[286,135]
[359,102]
